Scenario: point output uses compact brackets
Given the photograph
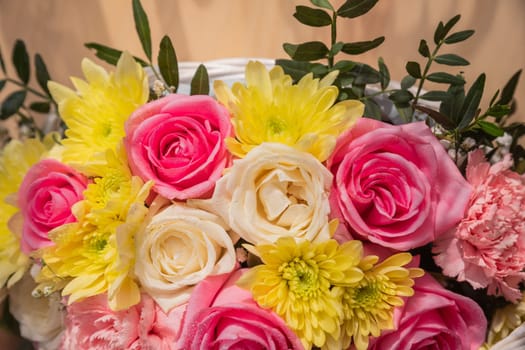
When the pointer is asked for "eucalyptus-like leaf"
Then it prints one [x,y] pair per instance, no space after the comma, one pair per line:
[309,51]
[142,27]
[42,75]
[401,96]
[384,73]
[451,59]
[295,69]
[372,109]
[440,118]
[451,23]
[200,83]
[439,33]
[445,78]
[355,8]
[110,55]
[472,100]
[168,65]
[414,69]
[458,36]
[2,84]
[2,64]
[490,128]
[362,46]
[21,61]
[407,82]
[435,96]
[508,90]
[12,103]
[423,48]
[40,107]
[344,65]
[323,3]
[312,17]
[364,74]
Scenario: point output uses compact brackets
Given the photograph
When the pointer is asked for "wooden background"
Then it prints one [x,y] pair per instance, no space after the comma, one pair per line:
[209,29]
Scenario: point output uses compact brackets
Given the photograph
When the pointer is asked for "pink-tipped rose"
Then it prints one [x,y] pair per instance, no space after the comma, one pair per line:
[395,185]
[178,141]
[45,198]
[434,318]
[487,249]
[221,315]
[91,325]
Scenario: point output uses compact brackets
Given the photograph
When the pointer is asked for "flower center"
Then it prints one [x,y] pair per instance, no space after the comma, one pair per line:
[276,125]
[302,278]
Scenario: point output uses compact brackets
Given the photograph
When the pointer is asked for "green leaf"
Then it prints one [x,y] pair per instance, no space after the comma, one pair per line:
[167,60]
[471,103]
[384,73]
[414,69]
[435,96]
[493,99]
[344,65]
[319,70]
[355,8]
[21,61]
[452,106]
[451,23]
[405,111]
[2,84]
[362,46]
[295,69]
[336,48]
[364,74]
[110,55]
[440,118]
[2,64]
[12,103]
[498,110]
[323,3]
[200,83]
[309,51]
[142,27]
[372,109]
[490,128]
[458,36]
[439,33]
[451,59]
[312,17]
[508,90]
[407,82]
[423,48]
[42,75]
[40,107]
[446,78]
[401,96]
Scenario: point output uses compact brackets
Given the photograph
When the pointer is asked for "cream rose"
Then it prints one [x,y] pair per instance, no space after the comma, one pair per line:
[180,247]
[275,191]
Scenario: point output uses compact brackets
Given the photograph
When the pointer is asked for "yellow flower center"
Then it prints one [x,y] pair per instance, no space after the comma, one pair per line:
[302,278]
[368,296]
[276,125]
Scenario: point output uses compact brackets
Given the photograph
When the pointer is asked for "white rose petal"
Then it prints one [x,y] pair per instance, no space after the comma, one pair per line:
[275,191]
[180,247]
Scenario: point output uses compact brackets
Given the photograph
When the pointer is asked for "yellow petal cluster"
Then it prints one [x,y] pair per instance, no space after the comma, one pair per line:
[15,160]
[96,254]
[269,108]
[296,280]
[505,320]
[96,112]
[369,304]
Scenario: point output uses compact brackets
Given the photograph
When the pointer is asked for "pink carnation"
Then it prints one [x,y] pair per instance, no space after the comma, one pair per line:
[90,324]
[487,249]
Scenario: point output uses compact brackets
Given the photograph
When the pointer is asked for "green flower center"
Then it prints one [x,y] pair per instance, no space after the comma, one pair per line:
[302,278]
[275,125]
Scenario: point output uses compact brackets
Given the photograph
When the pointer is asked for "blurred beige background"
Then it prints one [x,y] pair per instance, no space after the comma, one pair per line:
[208,29]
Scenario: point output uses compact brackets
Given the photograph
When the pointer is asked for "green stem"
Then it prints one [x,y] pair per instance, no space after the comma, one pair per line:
[333,39]
[425,71]
[29,89]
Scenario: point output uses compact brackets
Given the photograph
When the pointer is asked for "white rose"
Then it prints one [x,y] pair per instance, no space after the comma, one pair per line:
[275,191]
[40,319]
[180,247]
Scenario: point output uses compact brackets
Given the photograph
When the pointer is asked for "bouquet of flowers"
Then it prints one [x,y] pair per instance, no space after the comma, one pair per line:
[285,211]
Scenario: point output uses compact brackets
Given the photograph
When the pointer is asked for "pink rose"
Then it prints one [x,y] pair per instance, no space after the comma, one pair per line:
[434,318]
[178,141]
[45,198]
[488,246]
[395,185]
[90,324]
[221,315]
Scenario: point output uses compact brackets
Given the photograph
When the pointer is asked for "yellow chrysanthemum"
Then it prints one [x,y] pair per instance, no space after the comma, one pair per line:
[97,253]
[505,320]
[15,160]
[96,112]
[369,304]
[296,280]
[269,108]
